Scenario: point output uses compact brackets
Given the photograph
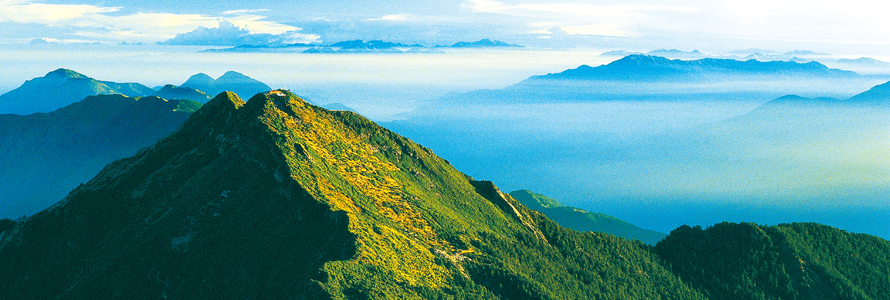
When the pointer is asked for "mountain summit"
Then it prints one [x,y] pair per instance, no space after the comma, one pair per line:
[60,88]
[275,198]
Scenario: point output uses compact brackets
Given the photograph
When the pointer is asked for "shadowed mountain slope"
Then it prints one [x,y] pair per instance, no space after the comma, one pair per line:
[275,198]
[43,156]
[60,88]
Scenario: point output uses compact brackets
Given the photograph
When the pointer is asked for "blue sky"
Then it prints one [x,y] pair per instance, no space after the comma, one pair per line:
[720,25]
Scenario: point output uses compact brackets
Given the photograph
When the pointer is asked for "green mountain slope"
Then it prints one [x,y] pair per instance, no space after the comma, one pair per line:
[275,198]
[60,88]
[580,220]
[789,261]
[43,156]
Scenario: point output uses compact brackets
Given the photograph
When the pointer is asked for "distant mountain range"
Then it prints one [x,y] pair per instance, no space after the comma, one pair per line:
[362,46]
[46,155]
[667,53]
[60,88]
[643,68]
[230,81]
[868,61]
[580,220]
[652,78]
[275,198]
[483,43]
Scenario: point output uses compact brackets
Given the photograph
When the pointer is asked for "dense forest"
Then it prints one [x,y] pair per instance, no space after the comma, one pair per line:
[788,261]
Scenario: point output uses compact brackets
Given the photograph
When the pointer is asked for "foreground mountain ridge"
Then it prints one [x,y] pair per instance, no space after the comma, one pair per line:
[277,198]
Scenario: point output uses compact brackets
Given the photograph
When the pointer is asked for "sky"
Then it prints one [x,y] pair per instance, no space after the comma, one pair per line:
[830,26]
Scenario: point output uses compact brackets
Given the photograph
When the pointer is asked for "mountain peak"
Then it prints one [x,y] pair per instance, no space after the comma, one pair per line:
[225,103]
[642,59]
[232,75]
[64,73]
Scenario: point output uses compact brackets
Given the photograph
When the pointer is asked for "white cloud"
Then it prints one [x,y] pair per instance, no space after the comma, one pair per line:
[393,18]
[96,22]
[257,25]
[230,34]
[595,30]
[580,18]
[244,11]
[571,10]
[48,14]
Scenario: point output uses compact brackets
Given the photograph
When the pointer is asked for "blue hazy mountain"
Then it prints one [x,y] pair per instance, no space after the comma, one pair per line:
[878,95]
[653,78]
[483,43]
[177,92]
[654,68]
[45,155]
[336,106]
[60,88]
[666,53]
[317,50]
[677,54]
[580,220]
[230,81]
[363,46]
[863,65]
[296,47]
[866,61]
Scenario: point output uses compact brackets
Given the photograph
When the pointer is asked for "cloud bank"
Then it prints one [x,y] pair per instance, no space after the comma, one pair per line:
[95,23]
[228,34]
